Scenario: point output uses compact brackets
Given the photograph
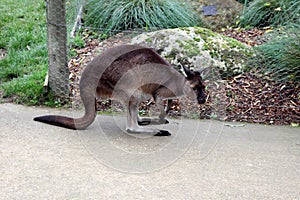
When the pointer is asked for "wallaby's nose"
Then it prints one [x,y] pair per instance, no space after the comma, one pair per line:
[201,100]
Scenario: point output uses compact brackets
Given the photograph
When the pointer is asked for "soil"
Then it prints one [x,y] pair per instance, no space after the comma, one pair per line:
[243,98]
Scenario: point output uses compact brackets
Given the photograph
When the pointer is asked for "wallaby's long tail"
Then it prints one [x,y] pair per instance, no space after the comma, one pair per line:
[68,122]
[57,120]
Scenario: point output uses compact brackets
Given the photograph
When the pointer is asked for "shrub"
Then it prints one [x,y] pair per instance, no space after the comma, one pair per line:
[118,15]
[280,57]
[261,13]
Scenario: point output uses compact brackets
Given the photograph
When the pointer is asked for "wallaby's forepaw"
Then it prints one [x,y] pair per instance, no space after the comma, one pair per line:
[163,133]
[147,121]
[144,122]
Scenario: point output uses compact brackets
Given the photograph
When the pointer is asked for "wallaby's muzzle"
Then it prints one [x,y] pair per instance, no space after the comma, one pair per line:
[201,100]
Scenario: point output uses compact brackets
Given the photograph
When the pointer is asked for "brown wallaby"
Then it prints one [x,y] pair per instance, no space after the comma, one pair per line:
[131,74]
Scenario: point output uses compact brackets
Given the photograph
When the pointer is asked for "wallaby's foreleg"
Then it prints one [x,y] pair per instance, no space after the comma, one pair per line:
[132,122]
[165,110]
[163,113]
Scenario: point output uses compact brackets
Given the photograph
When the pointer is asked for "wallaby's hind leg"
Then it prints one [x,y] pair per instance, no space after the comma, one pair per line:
[163,113]
[132,119]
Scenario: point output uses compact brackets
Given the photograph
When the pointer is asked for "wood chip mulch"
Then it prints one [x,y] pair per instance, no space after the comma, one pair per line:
[251,37]
[252,99]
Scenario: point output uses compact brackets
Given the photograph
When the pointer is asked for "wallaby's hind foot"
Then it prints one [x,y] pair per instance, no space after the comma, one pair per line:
[148,121]
[163,133]
[150,131]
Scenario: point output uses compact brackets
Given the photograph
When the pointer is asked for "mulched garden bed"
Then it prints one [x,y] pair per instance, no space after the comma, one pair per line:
[252,99]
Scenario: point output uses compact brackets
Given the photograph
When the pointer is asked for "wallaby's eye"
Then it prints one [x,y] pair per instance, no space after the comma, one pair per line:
[196,88]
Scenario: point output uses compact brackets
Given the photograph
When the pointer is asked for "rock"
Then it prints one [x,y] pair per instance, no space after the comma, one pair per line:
[199,48]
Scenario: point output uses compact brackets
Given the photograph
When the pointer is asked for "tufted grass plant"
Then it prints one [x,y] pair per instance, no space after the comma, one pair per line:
[118,15]
[262,13]
[280,56]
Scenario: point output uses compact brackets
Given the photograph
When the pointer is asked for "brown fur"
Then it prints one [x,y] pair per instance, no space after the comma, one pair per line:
[125,73]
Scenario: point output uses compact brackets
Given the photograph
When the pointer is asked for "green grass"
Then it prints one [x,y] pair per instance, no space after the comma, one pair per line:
[262,13]
[23,35]
[118,15]
[280,56]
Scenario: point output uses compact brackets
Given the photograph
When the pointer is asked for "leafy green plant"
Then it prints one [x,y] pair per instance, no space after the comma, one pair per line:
[280,57]
[142,112]
[213,116]
[77,41]
[118,15]
[261,13]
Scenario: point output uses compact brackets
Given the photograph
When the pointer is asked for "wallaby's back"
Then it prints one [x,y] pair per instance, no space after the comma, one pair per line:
[121,65]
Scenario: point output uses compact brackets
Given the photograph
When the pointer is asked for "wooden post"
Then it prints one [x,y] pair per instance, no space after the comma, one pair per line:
[57,48]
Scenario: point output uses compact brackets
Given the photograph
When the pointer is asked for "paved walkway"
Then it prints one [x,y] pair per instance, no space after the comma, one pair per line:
[201,160]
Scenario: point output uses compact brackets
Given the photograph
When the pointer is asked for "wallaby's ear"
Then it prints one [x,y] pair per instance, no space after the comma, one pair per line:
[204,70]
[186,72]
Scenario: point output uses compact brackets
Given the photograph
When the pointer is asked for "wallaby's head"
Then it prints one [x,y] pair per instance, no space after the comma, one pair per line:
[194,86]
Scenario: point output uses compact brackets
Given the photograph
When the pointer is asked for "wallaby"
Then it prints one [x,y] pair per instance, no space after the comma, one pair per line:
[131,74]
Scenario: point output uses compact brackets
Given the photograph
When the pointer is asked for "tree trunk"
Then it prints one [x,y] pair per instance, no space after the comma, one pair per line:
[57,48]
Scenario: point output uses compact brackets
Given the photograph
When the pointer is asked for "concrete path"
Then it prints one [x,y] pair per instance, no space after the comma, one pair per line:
[201,160]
